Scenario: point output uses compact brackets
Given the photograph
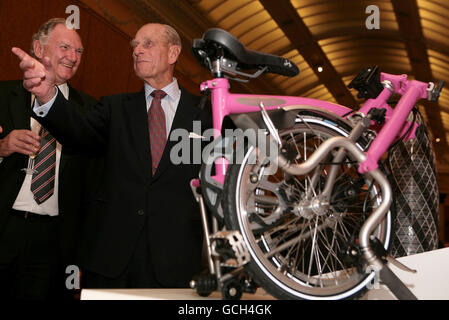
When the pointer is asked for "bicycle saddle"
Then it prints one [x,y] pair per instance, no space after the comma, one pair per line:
[217,43]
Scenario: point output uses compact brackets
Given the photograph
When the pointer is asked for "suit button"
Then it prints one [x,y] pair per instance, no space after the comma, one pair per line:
[141,212]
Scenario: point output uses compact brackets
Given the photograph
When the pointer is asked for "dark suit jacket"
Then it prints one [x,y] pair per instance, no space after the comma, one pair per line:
[15,113]
[130,196]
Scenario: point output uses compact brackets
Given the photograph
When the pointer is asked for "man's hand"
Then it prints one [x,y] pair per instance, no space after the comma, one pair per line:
[22,141]
[38,77]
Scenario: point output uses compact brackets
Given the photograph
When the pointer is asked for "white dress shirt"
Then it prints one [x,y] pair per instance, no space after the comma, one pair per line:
[25,200]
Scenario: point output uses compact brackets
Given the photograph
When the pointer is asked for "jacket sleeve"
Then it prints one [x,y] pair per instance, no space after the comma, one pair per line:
[76,129]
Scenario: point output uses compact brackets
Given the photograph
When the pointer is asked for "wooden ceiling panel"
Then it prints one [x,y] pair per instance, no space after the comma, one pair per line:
[439,65]
[252,22]
[355,64]
[434,16]
[258,33]
[445,118]
[273,39]
[436,36]
[230,14]
[433,12]
[206,6]
[287,18]
[393,55]
[377,44]
[398,59]
[246,17]
[222,9]
[320,92]
[327,16]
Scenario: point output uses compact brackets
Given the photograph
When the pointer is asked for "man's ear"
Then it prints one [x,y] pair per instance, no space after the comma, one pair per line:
[38,49]
[173,54]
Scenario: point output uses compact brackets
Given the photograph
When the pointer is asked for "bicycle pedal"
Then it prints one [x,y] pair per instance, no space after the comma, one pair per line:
[233,242]
[400,265]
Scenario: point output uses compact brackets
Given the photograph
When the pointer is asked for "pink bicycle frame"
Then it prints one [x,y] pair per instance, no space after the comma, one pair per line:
[225,103]
[395,120]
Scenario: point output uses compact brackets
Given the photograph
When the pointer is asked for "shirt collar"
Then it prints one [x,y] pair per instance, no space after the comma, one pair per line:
[64,88]
[172,90]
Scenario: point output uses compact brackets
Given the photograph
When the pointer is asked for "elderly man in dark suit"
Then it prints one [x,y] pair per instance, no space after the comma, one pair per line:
[40,214]
[144,229]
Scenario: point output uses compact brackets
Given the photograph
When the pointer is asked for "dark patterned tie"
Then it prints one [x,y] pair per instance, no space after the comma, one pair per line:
[156,125]
[43,183]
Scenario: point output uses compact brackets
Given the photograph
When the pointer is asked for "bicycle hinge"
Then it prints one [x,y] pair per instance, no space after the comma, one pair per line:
[434,91]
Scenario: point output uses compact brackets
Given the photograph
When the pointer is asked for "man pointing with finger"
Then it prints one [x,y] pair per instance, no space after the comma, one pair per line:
[40,212]
[145,231]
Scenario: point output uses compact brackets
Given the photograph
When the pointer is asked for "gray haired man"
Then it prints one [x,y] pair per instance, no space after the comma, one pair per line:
[40,211]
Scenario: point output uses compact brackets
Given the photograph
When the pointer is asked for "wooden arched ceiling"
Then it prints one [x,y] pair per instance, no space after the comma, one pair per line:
[413,38]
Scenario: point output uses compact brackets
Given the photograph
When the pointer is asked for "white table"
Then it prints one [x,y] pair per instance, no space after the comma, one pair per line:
[431,282]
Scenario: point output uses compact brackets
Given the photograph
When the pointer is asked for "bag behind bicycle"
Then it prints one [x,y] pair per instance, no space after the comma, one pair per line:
[416,198]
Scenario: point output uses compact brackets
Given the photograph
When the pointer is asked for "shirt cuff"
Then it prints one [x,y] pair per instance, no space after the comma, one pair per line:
[42,110]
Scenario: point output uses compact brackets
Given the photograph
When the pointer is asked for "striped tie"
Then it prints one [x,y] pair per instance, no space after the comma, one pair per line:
[156,125]
[43,183]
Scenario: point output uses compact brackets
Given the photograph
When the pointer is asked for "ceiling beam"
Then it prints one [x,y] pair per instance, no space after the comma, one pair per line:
[409,21]
[381,35]
[300,36]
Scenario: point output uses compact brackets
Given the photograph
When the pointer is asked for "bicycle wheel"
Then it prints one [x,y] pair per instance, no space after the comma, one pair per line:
[299,244]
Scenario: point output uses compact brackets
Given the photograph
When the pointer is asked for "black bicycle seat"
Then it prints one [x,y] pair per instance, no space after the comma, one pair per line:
[217,43]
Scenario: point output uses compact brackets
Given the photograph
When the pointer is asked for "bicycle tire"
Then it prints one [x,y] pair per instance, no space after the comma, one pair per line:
[279,274]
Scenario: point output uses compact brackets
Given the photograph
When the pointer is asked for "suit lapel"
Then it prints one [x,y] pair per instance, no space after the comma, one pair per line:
[77,102]
[136,112]
[75,97]
[186,112]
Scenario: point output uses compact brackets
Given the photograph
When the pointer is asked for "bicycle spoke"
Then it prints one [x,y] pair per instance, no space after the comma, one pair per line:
[312,252]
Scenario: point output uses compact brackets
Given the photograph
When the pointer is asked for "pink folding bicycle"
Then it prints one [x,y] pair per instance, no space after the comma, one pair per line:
[300,190]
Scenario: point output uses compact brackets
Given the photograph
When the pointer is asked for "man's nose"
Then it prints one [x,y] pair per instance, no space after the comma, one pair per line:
[72,55]
[137,50]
